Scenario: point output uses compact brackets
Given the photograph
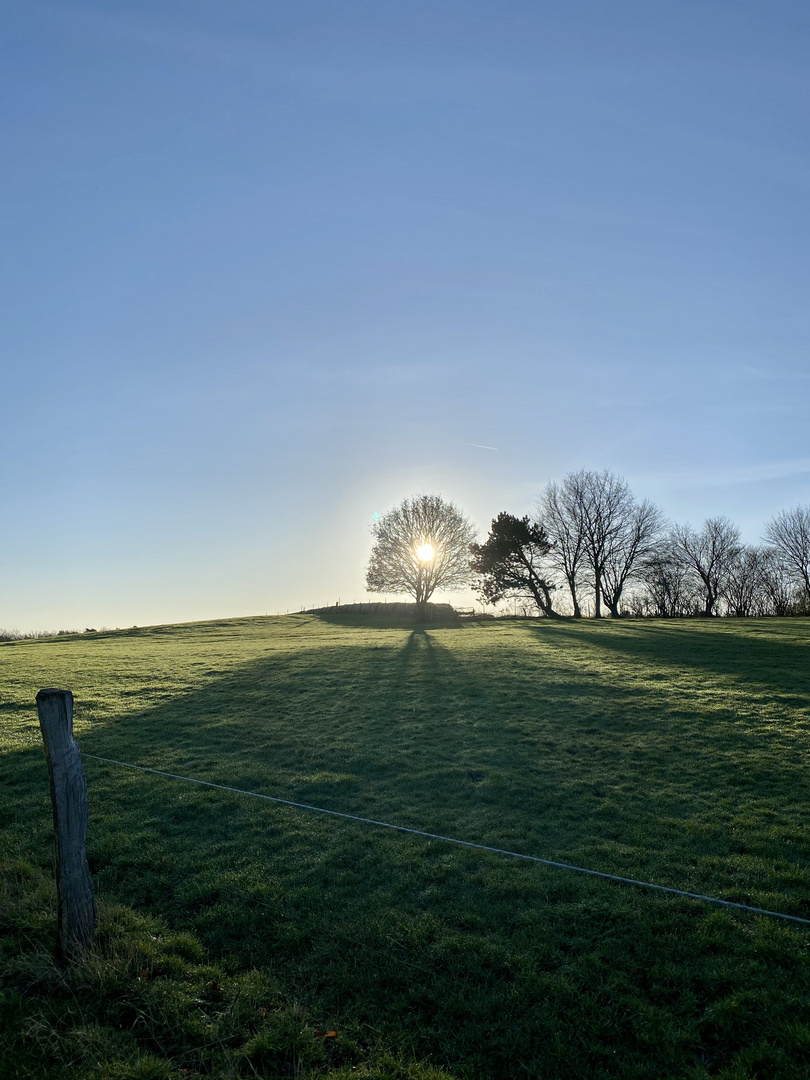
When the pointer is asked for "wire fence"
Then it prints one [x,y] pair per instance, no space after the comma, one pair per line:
[425,834]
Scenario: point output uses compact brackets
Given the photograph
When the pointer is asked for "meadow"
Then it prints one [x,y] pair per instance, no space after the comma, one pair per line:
[240,938]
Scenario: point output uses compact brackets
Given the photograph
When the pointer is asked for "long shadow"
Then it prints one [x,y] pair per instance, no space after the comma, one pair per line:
[423,735]
[783,665]
[349,716]
[517,744]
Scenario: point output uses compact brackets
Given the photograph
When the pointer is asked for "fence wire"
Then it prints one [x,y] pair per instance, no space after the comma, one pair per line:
[461,843]
[669,889]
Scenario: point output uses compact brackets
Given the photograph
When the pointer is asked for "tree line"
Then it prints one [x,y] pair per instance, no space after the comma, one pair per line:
[593,548]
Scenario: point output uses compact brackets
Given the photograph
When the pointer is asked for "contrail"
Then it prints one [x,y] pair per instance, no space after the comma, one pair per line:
[481,446]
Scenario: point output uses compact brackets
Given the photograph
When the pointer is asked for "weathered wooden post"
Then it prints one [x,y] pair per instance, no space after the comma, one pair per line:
[74,888]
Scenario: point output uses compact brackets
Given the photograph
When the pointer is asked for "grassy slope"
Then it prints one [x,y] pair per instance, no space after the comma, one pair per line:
[675,753]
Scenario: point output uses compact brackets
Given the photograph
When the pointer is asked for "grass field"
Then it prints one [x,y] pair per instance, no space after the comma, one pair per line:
[236,935]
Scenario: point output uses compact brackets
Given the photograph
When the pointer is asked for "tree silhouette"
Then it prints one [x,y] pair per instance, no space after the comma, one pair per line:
[420,546]
[511,562]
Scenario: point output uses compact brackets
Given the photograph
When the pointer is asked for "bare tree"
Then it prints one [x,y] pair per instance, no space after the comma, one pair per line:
[635,539]
[600,498]
[666,588]
[710,554]
[561,518]
[513,562]
[420,546]
[606,529]
[600,535]
[789,533]
[778,586]
[744,591]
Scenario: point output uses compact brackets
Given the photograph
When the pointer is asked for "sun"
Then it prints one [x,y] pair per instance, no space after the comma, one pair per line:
[425,553]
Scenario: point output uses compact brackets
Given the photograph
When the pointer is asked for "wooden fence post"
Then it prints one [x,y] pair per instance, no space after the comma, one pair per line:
[74,888]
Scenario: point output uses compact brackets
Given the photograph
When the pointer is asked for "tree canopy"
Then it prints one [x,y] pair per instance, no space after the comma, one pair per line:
[510,562]
[420,546]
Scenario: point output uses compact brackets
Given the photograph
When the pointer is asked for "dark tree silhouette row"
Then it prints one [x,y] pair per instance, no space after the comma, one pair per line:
[592,548]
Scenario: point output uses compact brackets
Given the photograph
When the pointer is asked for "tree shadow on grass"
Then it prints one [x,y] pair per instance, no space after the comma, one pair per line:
[483,960]
[782,664]
[492,746]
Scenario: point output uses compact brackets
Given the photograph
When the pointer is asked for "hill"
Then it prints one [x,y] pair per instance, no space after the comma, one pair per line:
[239,934]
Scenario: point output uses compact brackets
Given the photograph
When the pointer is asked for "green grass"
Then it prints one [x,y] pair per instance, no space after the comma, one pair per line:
[671,752]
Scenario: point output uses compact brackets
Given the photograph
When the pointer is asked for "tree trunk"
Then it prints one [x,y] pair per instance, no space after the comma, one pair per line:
[597,608]
[542,597]
[574,598]
[711,600]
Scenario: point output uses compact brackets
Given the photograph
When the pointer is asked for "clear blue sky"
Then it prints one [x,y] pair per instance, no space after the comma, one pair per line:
[268,268]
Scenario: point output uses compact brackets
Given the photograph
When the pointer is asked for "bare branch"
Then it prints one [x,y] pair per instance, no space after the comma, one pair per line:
[789,534]
[710,555]
[425,520]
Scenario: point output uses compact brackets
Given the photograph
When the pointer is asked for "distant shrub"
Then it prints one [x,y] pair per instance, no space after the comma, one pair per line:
[16,635]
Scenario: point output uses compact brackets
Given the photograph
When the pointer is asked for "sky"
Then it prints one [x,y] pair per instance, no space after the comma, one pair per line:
[270,268]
